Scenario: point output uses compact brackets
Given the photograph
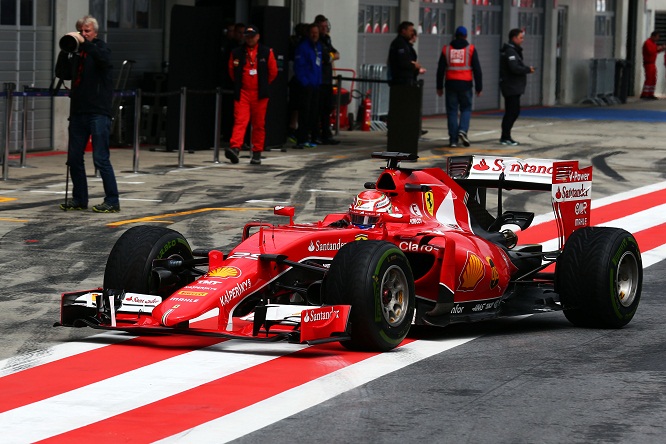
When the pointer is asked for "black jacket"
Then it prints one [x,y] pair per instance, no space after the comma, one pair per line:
[326,63]
[239,53]
[92,85]
[401,69]
[513,72]
[459,85]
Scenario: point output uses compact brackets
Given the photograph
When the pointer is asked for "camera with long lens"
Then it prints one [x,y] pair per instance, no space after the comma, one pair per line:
[69,43]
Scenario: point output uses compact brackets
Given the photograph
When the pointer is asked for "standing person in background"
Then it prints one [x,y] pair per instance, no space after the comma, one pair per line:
[459,64]
[402,59]
[513,80]
[252,68]
[650,51]
[234,40]
[323,134]
[294,94]
[90,113]
[308,60]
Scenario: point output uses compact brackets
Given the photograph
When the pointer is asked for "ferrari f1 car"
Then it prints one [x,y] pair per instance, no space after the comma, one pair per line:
[418,246]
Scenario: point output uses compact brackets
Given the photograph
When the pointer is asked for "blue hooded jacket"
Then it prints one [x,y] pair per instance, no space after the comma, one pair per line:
[307,63]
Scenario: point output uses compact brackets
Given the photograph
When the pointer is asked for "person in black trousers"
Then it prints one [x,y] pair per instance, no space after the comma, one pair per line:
[513,79]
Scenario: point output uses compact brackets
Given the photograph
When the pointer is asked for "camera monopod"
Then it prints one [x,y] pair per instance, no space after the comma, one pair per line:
[64,207]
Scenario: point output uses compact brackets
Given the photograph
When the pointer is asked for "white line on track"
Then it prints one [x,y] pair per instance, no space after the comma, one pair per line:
[310,394]
[136,388]
[60,351]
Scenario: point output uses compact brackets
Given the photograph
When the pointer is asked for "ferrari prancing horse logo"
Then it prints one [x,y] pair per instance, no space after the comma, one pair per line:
[429,202]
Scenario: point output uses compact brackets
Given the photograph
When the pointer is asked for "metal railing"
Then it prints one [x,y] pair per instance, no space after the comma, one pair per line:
[9,93]
[601,88]
[372,82]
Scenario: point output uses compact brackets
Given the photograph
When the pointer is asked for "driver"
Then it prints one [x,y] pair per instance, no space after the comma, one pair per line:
[367,207]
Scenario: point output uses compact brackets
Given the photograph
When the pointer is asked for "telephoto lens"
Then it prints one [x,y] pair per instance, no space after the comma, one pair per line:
[68,43]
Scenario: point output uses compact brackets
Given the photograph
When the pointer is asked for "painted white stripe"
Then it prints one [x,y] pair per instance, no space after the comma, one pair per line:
[277,202]
[633,223]
[137,388]
[61,351]
[40,357]
[640,221]
[314,190]
[290,402]
[653,256]
[597,203]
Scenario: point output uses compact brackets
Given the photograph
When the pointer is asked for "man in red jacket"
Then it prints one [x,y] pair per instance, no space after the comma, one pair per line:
[253,68]
[650,50]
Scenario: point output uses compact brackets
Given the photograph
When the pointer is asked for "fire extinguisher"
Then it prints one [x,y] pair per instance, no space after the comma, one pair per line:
[366,112]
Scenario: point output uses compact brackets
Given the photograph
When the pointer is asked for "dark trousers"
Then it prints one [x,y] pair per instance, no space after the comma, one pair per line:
[308,112]
[511,113]
[81,128]
[323,129]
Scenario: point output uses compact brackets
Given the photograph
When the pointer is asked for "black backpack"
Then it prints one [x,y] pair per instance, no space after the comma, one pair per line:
[64,70]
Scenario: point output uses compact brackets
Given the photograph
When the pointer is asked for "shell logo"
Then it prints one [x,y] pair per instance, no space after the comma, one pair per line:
[361,237]
[494,274]
[225,272]
[472,273]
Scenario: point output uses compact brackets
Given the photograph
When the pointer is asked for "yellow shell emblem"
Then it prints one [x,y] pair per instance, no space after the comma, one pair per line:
[494,274]
[225,272]
[472,273]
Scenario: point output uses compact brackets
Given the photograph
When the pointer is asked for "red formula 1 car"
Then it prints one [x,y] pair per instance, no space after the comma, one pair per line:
[418,246]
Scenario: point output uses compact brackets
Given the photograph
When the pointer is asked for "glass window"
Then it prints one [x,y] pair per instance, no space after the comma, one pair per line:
[530,3]
[436,17]
[377,19]
[26,12]
[605,5]
[44,9]
[129,14]
[7,12]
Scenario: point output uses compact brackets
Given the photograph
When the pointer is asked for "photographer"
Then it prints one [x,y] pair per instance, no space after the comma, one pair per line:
[90,116]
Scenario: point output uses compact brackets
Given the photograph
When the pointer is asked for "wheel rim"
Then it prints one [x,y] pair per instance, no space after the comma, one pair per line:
[627,279]
[395,296]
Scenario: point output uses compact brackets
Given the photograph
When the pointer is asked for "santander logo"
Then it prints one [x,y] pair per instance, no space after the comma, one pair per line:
[481,166]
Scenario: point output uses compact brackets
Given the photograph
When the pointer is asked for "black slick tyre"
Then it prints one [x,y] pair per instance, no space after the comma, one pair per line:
[375,278]
[599,277]
[130,263]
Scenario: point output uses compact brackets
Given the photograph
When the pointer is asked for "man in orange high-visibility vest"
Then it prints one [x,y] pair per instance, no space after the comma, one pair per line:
[459,71]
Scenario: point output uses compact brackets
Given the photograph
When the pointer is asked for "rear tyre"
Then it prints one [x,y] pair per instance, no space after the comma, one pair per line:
[375,278]
[599,277]
[130,263]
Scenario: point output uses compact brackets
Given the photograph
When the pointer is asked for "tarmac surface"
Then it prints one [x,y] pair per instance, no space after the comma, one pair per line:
[537,379]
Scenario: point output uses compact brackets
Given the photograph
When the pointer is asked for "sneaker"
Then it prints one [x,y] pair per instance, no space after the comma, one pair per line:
[300,146]
[310,144]
[463,136]
[72,204]
[453,145]
[292,139]
[510,142]
[256,158]
[231,154]
[106,208]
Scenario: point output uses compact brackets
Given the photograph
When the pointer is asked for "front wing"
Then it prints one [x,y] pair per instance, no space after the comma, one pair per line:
[131,313]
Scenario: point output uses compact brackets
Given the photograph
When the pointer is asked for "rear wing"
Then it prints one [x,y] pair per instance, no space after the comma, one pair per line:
[570,186]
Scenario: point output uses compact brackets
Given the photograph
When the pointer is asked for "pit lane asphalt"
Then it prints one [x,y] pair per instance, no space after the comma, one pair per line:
[534,380]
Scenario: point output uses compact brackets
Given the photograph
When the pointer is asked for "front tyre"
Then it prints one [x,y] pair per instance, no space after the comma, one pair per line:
[130,263]
[375,278]
[599,277]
